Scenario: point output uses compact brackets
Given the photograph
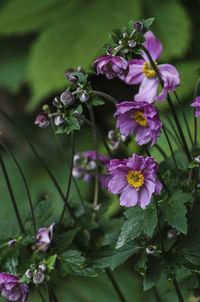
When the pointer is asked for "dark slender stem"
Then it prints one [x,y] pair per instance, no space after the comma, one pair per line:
[54,296]
[184,116]
[79,193]
[69,179]
[178,291]
[162,152]
[49,292]
[89,123]
[196,187]
[159,227]
[195,119]
[39,159]
[156,294]
[40,293]
[172,136]
[96,188]
[106,96]
[25,184]
[115,285]
[12,197]
[57,139]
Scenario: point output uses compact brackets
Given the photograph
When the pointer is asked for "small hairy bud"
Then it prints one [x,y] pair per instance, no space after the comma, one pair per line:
[138,26]
[56,101]
[42,267]
[42,120]
[150,250]
[67,98]
[58,120]
[78,172]
[73,79]
[80,69]
[125,51]
[172,234]
[12,242]
[125,35]
[123,138]
[114,144]
[197,159]
[91,165]
[68,73]
[84,97]
[132,43]
[111,134]
[29,273]
[76,159]
[45,107]
[120,42]
[38,277]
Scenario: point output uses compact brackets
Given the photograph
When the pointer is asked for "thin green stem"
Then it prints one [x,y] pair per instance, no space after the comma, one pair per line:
[172,136]
[106,96]
[54,296]
[69,179]
[40,293]
[115,285]
[156,294]
[49,292]
[12,197]
[178,291]
[79,193]
[159,227]
[25,184]
[196,187]
[57,139]
[195,119]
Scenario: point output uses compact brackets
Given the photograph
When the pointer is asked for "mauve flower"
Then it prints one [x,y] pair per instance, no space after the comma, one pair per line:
[135,178]
[111,66]
[12,289]
[140,118]
[44,237]
[141,71]
[42,120]
[196,104]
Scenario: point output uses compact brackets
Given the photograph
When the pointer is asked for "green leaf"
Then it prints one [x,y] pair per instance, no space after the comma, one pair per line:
[62,241]
[153,272]
[81,77]
[174,211]
[96,101]
[147,22]
[138,221]
[72,124]
[50,262]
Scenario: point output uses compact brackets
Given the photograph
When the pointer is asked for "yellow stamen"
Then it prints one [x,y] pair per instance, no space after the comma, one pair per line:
[140,118]
[135,178]
[148,70]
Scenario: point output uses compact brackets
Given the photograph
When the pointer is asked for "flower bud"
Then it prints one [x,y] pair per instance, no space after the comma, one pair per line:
[42,120]
[111,134]
[45,107]
[150,250]
[91,165]
[84,97]
[125,51]
[68,73]
[132,44]
[67,98]
[97,207]
[77,159]
[138,26]
[29,273]
[78,172]
[172,234]
[109,51]
[80,69]
[42,267]
[38,277]
[120,42]
[56,101]
[58,120]
[73,79]
[114,144]
[125,35]
[88,177]
[11,242]
[123,138]
[197,159]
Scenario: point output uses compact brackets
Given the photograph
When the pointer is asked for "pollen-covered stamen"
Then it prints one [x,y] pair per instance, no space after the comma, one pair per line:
[148,70]
[135,178]
[140,118]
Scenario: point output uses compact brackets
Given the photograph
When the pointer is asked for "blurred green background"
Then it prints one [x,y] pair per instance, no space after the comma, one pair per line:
[39,40]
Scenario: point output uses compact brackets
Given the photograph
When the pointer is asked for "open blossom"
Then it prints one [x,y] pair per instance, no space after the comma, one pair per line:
[85,164]
[135,178]
[140,118]
[12,289]
[44,237]
[111,66]
[196,105]
[141,71]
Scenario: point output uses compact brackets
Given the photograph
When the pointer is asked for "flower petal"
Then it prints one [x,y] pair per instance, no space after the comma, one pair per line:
[135,74]
[118,181]
[129,197]
[153,45]
[148,90]
[170,76]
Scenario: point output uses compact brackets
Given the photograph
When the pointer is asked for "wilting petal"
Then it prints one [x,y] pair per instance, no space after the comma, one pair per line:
[135,74]
[170,76]
[153,45]
[148,90]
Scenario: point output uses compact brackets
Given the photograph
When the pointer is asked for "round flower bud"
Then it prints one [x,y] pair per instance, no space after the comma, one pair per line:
[91,165]
[109,50]
[29,273]
[197,159]
[150,250]
[125,35]
[56,101]
[58,120]
[123,138]
[80,69]
[42,267]
[42,120]
[111,134]
[78,172]
[77,159]
[114,144]
[126,50]
[138,26]
[68,73]
[38,277]
[45,107]
[73,79]
[172,234]
[11,242]
[132,44]
[120,42]
[84,97]
[97,207]
[67,98]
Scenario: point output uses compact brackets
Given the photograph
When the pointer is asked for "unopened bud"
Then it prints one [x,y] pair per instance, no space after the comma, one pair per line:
[114,144]
[109,50]
[73,79]
[80,69]
[88,177]
[123,138]
[84,97]
[78,172]
[91,165]
[45,107]
[132,44]
[42,120]
[76,159]
[58,120]
[68,73]
[120,42]
[67,98]
[12,242]
[29,273]
[125,35]
[126,50]
[172,234]
[138,26]
[197,159]
[150,250]
[97,207]
[56,101]
[42,267]
[111,134]
[38,277]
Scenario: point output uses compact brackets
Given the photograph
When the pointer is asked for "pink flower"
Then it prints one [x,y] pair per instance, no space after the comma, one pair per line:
[196,105]
[141,71]
[135,178]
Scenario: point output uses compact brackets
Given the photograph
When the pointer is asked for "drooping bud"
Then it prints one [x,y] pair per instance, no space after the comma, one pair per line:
[138,26]
[91,165]
[67,98]
[42,120]
[56,101]
[29,273]
[42,267]
[172,234]
[109,50]
[132,43]
[58,120]
[68,73]
[38,277]
[150,250]
[84,97]
[111,134]
[114,144]
[78,172]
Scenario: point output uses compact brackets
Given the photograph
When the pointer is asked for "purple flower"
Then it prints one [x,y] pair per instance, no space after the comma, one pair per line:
[111,66]
[12,289]
[141,71]
[140,118]
[44,237]
[196,104]
[135,178]
[42,120]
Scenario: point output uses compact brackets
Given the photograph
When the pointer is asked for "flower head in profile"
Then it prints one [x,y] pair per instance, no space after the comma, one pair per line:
[141,72]
[196,105]
[140,118]
[135,178]
[111,66]
[44,237]
[12,289]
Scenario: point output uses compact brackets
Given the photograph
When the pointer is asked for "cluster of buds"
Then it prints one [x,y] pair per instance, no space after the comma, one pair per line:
[37,275]
[115,139]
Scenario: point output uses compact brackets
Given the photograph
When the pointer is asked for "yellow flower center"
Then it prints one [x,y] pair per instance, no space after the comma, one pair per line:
[148,70]
[135,179]
[140,118]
